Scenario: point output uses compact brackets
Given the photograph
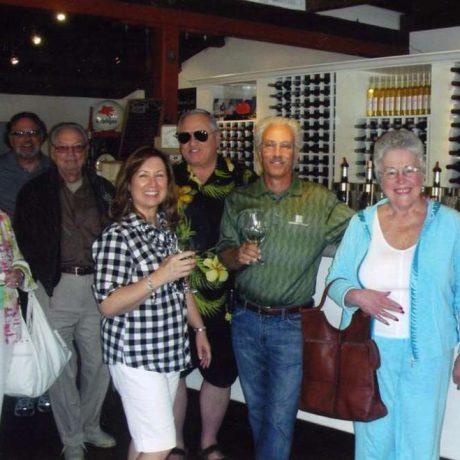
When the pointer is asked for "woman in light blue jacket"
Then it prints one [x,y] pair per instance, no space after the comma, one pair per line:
[399,261]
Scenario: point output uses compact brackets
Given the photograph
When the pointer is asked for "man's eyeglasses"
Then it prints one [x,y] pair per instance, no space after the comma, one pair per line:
[407,171]
[201,135]
[26,132]
[77,148]
[284,146]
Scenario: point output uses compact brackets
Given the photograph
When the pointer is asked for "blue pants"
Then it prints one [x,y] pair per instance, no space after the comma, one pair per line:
[268,351]
[415,394]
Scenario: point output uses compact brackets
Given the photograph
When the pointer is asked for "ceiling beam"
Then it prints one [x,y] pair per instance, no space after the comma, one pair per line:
[327,39]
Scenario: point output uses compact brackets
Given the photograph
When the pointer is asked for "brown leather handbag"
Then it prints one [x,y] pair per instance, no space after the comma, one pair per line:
[339,368]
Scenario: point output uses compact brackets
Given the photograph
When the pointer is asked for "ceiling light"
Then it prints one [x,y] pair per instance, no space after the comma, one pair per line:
[14,60]
[36,39]
[61,17]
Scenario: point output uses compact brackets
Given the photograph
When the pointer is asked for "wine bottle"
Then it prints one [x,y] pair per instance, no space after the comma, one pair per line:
[455,180]
[454,139]
[343,194]
[367,196]
[436,189]
[370,98]
[398,95]
[280,107]
[455,69]
[454,152]
[454,166]
[455,124]
[426,90]
[279,85]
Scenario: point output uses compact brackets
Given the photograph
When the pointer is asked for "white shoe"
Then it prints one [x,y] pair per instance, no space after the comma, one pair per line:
[74,453]
[100,439]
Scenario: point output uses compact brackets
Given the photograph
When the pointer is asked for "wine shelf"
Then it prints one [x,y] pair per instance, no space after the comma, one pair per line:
[237,141]
[310,99]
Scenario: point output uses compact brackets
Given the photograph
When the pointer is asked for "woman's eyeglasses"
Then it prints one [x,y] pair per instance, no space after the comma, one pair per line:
[391,173]
[201,135]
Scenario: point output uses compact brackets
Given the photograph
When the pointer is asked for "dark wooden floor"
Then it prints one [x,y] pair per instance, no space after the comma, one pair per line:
[36,438]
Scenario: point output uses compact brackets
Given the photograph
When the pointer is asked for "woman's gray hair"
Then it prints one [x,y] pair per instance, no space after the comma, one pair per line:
[212,120]
[68,125]
[395,140]
[263,125]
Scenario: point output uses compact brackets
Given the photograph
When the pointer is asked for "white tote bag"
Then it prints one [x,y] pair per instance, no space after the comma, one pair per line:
[38,358]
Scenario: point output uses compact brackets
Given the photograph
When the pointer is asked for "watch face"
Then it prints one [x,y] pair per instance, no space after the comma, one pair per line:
[107,116]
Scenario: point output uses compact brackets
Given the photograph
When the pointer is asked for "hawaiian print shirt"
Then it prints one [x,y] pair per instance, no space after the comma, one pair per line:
[200,208]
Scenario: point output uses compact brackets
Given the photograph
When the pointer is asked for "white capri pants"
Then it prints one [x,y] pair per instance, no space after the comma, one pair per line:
[148,399]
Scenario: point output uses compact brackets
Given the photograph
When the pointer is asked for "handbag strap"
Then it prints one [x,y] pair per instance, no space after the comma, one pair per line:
[324,295]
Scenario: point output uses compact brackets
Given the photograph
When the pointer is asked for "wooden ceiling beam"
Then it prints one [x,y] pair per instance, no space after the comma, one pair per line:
[327,39]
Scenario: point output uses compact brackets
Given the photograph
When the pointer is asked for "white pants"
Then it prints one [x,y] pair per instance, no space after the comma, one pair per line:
[148,400]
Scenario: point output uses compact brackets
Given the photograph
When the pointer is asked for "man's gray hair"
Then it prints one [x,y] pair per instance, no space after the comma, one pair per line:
[395,140]
[212,120]
[55,130]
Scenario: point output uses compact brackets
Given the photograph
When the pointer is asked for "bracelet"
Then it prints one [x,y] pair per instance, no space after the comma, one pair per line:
[199,329]
[150,284]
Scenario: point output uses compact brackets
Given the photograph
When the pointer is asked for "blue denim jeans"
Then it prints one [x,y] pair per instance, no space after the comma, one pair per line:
[268,351]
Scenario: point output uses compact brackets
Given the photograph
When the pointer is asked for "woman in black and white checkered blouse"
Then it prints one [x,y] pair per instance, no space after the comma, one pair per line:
[144,300]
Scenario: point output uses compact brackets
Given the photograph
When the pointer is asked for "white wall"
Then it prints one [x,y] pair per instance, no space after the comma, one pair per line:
[239,56]
[52,109]
[425,41]
[367,14]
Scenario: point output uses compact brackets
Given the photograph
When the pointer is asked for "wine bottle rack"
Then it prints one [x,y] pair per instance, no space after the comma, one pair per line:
[368,130]
[237,141]
[454,135]
[310,99]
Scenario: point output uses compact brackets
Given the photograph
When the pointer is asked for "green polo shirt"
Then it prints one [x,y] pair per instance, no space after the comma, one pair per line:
[301,222]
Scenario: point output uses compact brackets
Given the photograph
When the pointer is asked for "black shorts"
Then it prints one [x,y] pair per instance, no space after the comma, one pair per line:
[222,372]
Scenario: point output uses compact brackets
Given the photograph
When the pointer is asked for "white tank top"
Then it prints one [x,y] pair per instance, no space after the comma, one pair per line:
[388,269]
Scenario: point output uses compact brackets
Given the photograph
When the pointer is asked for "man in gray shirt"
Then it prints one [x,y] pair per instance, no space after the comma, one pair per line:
[25,134]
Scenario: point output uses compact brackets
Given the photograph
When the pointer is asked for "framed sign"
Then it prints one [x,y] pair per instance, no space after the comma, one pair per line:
[141,124]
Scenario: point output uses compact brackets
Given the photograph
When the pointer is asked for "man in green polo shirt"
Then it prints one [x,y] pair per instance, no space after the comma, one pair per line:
[301,218]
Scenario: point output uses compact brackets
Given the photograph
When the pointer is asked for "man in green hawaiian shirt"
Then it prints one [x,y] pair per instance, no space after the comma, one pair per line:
[204,179]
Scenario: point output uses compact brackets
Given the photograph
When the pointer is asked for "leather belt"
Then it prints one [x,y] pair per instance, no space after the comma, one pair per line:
[78,270]
[273,311]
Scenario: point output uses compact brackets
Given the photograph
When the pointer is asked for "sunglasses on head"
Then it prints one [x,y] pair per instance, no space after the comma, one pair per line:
[201,135]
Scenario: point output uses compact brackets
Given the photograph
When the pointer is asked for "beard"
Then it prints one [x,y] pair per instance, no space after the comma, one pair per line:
[28,154]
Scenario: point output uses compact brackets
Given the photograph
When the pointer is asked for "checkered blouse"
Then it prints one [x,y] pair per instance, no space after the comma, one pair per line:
[153,335]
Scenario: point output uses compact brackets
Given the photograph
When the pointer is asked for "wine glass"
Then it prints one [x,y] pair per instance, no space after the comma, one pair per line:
[182,245]
[253,227]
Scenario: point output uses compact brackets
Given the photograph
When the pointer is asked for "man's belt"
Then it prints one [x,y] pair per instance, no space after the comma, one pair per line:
[78,270]
[273,311]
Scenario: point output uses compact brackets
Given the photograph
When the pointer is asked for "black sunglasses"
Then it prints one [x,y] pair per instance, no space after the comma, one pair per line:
[200,135]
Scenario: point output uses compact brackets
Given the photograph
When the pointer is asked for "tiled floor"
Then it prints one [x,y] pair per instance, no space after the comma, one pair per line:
[36,438]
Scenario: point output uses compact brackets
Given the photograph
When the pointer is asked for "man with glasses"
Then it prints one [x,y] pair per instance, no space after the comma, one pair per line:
[204,179]
[58,216]
[25,134]
[302,219]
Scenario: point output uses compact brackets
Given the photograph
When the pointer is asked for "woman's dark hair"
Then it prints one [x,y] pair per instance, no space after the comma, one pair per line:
[31,116]
[122,203]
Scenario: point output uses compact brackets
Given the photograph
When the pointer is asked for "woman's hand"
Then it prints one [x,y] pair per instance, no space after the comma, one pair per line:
[456,372]
[14,278]
[375,303]
[176,266]
[203,348]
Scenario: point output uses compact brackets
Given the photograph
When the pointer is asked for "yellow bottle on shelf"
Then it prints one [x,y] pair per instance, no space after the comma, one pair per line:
[370,98]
